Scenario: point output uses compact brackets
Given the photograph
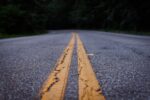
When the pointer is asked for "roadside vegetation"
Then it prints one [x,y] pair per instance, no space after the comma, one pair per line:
[23,17]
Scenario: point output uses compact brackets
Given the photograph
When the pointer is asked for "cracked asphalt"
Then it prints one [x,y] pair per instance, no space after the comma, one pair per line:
[25,64]
[121,63]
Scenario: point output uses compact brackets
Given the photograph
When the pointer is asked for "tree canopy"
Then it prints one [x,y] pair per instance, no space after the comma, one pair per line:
[23,16]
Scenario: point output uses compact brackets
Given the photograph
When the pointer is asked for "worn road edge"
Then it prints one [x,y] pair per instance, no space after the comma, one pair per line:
[89,88]
[54,87]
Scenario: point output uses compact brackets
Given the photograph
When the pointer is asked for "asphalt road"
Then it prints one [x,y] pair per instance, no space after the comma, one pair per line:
[121,63]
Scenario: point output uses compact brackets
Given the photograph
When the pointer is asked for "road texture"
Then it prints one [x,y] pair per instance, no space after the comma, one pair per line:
[25,64]
[121,63]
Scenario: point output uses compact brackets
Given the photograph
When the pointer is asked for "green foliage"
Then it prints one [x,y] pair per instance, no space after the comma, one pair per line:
[27,16]
[11,17]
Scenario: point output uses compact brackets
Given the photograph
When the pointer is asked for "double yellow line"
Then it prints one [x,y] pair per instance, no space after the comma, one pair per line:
[89,88]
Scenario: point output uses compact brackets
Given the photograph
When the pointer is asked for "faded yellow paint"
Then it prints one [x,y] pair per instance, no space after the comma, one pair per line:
[54,87]
[89,88]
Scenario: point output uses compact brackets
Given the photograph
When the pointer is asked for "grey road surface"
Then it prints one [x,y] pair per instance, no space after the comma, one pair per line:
[121,63]
[26,62]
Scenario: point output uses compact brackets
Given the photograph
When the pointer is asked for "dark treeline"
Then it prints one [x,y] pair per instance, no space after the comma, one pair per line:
[29,16]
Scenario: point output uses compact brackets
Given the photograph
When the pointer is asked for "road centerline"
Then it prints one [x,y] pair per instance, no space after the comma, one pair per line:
[89,88]
[54,87]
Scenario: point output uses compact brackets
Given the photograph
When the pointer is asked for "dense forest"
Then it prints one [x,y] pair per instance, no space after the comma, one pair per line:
[29,16]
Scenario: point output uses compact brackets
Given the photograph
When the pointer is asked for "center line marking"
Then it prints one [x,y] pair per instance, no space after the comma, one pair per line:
[89,88]
[54,87]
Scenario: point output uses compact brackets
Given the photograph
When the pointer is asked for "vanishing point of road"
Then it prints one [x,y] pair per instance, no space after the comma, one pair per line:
[75,65]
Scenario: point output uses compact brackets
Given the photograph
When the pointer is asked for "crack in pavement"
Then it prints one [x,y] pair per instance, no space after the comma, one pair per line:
[55,85]
[89,88]
[56,72]
[86,87]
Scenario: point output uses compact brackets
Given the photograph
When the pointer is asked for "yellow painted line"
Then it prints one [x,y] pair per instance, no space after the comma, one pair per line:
[54,87]
[89,88]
